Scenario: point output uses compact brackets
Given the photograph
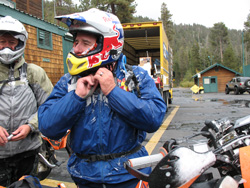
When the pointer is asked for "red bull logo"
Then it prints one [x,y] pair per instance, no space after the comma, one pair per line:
[104,56]
[121,84]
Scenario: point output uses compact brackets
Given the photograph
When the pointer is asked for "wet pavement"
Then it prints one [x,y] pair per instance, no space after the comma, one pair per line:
[196,108]
[193,111]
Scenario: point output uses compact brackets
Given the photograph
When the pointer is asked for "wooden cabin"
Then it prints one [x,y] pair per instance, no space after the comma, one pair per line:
[214,78]
[32,7]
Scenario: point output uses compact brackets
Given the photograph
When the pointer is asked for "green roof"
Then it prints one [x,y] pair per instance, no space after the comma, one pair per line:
[216,65]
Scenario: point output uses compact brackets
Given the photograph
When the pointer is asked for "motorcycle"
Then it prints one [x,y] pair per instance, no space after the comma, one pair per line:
[47,158]
[186,162]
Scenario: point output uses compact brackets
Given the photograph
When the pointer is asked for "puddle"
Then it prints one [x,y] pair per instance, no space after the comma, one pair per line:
[240,103]
[186,126]
[245,103]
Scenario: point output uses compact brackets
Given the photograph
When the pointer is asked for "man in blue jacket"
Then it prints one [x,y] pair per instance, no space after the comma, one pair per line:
[107,118]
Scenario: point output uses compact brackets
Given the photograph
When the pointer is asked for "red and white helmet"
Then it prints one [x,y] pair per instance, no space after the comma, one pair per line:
[110,39]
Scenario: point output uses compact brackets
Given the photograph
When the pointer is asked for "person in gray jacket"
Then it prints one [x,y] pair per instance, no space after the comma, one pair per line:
[23,88]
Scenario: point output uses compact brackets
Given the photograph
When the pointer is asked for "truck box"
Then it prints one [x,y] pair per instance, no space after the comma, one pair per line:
[146,45]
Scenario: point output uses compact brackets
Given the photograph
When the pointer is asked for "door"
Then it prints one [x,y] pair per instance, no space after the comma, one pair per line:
[210,84]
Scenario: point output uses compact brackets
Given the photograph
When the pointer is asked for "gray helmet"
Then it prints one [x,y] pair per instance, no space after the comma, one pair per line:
[16,29]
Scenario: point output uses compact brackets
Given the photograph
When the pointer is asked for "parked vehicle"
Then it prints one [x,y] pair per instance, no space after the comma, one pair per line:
[146,44]
[220,145]
[239,85]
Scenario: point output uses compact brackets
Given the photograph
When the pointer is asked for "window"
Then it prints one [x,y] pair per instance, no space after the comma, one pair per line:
[206,81]
[44,39]
[213,80]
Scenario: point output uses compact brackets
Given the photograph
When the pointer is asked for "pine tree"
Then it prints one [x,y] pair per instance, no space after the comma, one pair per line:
[167,22]
[123,9]
[219,39]
[230,59]
[247,33]
[195,60]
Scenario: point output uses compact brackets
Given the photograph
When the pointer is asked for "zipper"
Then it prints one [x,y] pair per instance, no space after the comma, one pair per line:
[100,130]
[12,89]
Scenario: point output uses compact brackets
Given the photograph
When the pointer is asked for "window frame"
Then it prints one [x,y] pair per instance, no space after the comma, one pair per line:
[41,34]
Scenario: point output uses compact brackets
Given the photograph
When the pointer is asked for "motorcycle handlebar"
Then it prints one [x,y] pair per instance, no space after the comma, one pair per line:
[46,162]
[147,161]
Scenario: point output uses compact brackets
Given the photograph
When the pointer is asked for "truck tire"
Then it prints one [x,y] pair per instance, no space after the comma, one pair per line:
[227,90]
[166,98]
[236,90]
[247,83]
[170,101]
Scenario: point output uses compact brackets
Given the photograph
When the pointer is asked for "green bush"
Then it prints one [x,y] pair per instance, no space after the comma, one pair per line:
[186,84]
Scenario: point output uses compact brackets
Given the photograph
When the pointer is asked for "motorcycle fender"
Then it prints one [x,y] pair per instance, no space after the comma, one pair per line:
[245,165]
[188,184]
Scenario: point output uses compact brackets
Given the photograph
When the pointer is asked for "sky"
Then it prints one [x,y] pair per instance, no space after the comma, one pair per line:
[204,12]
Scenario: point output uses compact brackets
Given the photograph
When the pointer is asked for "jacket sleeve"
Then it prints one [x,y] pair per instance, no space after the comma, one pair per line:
[60,111]
[145,113]
[41,87]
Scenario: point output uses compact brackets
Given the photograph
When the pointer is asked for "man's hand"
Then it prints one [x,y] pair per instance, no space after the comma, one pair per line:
[18,134]
[85,86]
[3,136]
[106,80]
[21,132]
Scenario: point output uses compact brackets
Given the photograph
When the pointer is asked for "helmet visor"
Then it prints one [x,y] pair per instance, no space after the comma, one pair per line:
[18,36]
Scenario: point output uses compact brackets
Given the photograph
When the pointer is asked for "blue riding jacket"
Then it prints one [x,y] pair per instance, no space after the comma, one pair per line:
[102,125]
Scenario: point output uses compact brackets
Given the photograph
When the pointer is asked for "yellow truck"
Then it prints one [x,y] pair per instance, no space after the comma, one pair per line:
[146,45]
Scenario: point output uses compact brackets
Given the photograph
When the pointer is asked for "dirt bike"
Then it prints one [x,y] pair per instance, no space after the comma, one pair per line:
[186,162]
[47,158]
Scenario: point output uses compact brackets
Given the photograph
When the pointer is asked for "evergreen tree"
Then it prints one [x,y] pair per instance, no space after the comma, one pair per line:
[49,12]
[195,65]
[142,19]
[219,39]
[123,9]
[247,33]
[167,22]
[182,58]
[230,59]
[205,61]
[56,8]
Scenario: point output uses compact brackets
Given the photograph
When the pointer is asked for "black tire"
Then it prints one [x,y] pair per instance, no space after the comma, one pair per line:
[170,101]
[247,83]
[227,91]
[165,98]
[170,144]
[44,174]
[236,90]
